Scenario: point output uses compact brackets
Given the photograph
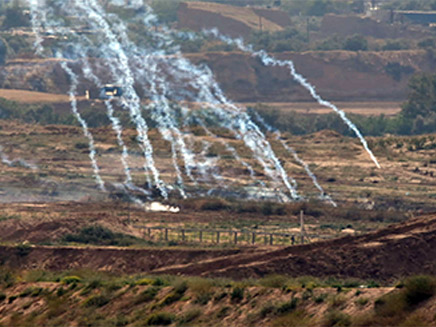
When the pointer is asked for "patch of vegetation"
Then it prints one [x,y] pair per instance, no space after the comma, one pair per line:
[100,235]
[336,318]
[418,289]
[160,319]
[176,294]
[237,294]
[189,316]
[146,296]
[98,301]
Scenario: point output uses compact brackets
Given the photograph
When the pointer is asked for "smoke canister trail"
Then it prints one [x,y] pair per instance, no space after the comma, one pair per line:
[297,158]
[95,17]
[37,16]
[73,101]
[145,66]
[267,60]
[15,162]
[116,127]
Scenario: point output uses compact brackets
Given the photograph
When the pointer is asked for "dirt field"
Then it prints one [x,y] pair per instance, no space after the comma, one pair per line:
[375,108]
[31,97]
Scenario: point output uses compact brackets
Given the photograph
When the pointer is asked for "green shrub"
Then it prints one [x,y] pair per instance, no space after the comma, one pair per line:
[12,298]
[100,235]
[176,295]
[70,279]
[336,319]
[190,315]
[419,288]
[159,319]
[362,301]
[287,307]
[146,296]
[390,305]
[267,310]
[237,294]
[320,298]
[7,277]
[223,312]
[97,301]
[60,292]
[203,298]
[145,281]
[23,249]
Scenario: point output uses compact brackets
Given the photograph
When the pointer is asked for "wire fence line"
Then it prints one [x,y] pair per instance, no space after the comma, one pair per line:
[222,236]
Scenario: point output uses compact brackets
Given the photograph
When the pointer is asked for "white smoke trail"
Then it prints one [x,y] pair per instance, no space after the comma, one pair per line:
[15,162]
[270,61]
[94,15]
[37,17]
[145,67]
[73,101]
[297,158]
[200,81]
[116,127]
[228,114]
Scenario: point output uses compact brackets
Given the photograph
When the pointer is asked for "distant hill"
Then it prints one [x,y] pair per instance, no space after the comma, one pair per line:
[231,20]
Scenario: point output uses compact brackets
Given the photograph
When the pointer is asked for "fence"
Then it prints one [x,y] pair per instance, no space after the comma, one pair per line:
[216,236]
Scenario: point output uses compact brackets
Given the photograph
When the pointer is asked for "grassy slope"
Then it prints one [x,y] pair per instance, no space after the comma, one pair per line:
[86,298]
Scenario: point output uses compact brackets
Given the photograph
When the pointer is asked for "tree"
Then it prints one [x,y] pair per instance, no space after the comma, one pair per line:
[422,96]
[14,17]
[356,43]
[320,8]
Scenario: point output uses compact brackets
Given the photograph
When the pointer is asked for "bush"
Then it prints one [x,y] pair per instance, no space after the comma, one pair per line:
[237,294]
[287,307]
[100,235]
[390,305]
[145,281]
[159,319]
[70,279]
[190,316]
[146,296]
[419,288]
[337,319]
[176,295]
[97,301]
[2,297]
[356,43]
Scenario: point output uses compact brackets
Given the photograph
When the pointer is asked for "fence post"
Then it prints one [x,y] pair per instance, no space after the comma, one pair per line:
[166,234]
[253,238]
[201,236]
[302,226]
[236,237]
[149,232]
[271,239]
[265,239]
[218,237]
[183,235]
